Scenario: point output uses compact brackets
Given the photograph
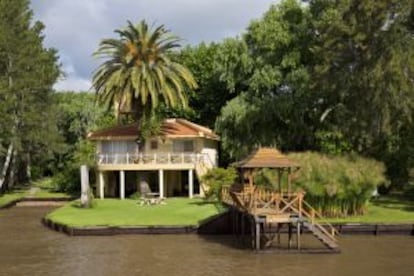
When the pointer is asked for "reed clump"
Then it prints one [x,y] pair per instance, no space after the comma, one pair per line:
[337,185]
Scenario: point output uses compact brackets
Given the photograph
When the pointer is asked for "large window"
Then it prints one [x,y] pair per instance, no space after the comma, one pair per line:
[116,147]
[183,146]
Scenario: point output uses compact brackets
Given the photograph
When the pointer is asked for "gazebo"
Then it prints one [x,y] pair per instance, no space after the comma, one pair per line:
[269,158]
[266,208]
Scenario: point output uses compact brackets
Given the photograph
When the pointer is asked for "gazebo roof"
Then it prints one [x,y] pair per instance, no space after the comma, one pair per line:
[266,158]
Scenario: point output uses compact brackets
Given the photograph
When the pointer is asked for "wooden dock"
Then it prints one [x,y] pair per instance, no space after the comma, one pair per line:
[268,212]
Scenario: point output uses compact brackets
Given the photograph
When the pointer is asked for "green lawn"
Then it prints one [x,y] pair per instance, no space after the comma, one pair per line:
[9,197]
[46,189]
[390,209]
[115,212]
[43,189]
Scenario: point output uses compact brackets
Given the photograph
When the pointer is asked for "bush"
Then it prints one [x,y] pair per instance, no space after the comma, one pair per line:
[216,179]
[338,185]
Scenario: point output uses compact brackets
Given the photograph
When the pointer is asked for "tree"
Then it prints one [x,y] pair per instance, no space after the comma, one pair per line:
[277,106]
[138,73]
[220,70]
[364,65]
[27,72]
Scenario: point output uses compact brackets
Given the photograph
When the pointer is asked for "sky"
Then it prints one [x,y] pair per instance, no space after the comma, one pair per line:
[75,27]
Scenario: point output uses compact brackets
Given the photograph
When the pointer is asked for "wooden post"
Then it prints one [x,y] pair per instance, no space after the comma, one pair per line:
[290,236]
[242,226]
[278,234]
[298,235]
[289,181]
[251,178]
[257,235]
[279,172]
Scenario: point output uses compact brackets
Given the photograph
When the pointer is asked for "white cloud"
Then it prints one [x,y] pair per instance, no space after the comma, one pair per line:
[73,84]
[75,27]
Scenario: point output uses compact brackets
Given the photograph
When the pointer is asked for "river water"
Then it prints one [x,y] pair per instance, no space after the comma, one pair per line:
[28,248]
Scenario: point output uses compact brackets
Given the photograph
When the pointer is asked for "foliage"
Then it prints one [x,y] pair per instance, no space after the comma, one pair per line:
[27,72]
[338,186]
[138,74]
[216,179]
[276,106]
[386,209]
[328,76]
[68,179]
[220,69]
[266,178]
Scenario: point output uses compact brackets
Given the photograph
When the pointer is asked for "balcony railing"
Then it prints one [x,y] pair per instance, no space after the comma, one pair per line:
[151,158]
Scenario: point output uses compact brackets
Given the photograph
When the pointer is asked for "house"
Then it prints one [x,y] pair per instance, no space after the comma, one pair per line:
[170,164]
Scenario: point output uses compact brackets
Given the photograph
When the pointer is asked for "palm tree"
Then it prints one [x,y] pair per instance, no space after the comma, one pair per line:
[138,74]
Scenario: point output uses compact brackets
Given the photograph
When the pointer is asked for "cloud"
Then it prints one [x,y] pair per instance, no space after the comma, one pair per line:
[75,27]
[73,83]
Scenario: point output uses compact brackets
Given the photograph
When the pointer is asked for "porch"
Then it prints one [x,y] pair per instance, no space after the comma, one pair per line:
[161,182]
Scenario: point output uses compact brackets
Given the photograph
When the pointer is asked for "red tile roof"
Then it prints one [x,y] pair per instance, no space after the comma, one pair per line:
[170,128]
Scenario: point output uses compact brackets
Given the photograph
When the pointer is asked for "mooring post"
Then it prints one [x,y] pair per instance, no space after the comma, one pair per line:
[278,234]
[242,227]
[290,236]
[298,235]
[257,235]
[252,231]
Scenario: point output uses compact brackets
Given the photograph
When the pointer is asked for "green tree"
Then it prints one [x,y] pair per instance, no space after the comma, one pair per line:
[276,108]
[27,72]
[138,73]
[220,70]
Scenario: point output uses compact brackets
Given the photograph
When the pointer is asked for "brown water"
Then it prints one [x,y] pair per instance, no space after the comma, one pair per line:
[28,248]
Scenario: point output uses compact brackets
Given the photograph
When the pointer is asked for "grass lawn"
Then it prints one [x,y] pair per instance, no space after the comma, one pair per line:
[128,212]
[9,197]
[46,189]
[43,189]
[387,209]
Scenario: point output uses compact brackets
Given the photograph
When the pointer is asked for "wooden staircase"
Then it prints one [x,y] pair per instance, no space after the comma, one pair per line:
[327,240]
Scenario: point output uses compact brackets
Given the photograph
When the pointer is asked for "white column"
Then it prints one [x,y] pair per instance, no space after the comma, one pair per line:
[190,184]
[101,185]
[161,182]
[122,184]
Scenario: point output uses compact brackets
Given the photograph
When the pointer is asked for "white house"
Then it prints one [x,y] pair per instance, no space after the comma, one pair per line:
[169,164]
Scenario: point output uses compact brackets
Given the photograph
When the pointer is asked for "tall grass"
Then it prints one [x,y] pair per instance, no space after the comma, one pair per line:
[337,185]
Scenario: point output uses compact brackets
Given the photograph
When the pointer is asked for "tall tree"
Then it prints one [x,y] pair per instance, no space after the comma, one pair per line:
[27,72]
[138,73]
[276,107]
[221,70]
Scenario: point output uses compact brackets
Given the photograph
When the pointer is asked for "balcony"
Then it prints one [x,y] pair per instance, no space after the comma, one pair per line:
[150,161]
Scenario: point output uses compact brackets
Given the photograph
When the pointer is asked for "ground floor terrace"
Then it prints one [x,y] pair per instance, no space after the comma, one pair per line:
[161,183]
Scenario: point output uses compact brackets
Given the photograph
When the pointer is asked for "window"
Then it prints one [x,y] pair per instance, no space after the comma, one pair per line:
[154,144]
[183,146]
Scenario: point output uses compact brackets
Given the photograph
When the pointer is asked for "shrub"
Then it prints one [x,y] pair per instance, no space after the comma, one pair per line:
[216,179]
[338,185]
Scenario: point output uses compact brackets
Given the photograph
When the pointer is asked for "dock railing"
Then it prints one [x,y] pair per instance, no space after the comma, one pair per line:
[256,200]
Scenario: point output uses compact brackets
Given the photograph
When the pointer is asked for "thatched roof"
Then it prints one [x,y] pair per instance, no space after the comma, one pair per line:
[266,158]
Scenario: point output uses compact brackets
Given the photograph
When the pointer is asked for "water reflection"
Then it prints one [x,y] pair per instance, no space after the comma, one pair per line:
[27,248]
